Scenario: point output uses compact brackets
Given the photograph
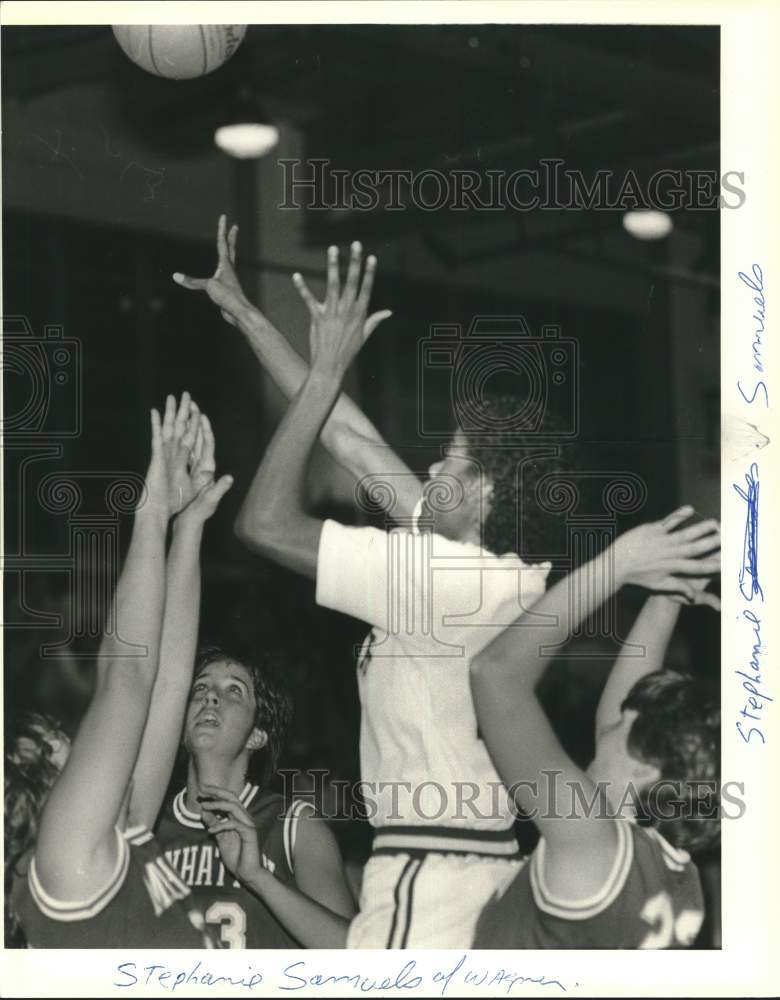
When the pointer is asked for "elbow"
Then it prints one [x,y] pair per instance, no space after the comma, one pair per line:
[254,532]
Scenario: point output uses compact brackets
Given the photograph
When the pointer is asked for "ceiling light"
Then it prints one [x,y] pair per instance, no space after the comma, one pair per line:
[246,140]
[648,224]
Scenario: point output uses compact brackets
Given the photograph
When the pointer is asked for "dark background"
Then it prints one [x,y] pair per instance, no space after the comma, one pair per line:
[90,251]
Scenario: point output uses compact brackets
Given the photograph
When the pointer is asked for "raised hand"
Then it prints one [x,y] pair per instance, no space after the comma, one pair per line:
[207,491]
[339,326]
[155,503]
[223,287]
[233,828]
[187,452]
[661,556]
[179,433]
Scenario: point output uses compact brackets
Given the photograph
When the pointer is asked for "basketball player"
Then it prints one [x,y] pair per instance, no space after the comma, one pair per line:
[419,745]
[79,875]
[598,879]
[235,723]
[232,714]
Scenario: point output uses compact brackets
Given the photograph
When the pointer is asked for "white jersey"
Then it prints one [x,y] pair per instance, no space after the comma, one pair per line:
[433,604]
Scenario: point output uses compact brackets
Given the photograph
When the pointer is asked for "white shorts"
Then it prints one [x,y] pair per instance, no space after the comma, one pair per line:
[426,900]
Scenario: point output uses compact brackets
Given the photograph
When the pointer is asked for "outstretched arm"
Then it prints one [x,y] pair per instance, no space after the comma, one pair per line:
[516,731]
[273,519]
[348,434]
[652,630]
[194,496]
[76,849]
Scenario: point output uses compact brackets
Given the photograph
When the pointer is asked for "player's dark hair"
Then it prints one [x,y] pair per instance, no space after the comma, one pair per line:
[29,774]
[515,523]
[678,731]
[273,706]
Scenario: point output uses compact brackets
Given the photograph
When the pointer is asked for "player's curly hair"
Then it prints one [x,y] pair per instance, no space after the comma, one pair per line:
[29,774]
[273,706]
[678,730]
[515,522]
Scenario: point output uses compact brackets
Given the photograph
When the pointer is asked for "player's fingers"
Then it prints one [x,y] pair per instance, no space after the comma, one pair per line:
[207,459]
[695,567]
[211,494]
[197,448]
[709,527]
[220,488]
[232,243]
[353,274]
[156,431]
[222,826]
[332,289]
[169,417]
[373,322]
[677,517]
[222,247]
[368,281]
[709,600]
[222,805]
[303,290]
[186,281]
[708,544]
[191,430]
[180,423]
[676,585]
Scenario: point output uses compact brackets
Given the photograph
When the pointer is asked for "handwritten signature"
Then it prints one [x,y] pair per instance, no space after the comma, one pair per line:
[755,281]
[753,683]
[299,975]
[748,574]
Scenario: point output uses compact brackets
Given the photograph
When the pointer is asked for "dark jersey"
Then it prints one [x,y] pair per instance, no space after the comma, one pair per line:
[651,899]
[234,914]
[144,905]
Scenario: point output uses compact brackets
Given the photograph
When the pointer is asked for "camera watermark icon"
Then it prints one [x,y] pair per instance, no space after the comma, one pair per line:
[42,376]
[536,374]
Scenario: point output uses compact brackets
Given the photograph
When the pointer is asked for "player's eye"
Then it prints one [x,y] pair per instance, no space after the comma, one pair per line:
[236,688]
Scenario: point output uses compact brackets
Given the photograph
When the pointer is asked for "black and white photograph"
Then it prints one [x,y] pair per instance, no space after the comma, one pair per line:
[387,390]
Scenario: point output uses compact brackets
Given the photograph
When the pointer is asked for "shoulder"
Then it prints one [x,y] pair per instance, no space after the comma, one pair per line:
[546,876]
[307,834]
[51,903]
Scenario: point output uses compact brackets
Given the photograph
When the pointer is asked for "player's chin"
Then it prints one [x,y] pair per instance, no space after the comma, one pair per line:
[199,737]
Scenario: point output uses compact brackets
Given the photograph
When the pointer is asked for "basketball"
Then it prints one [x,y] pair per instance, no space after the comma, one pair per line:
[179,51]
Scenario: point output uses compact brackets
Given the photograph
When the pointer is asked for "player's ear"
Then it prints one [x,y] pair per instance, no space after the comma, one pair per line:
[483,508]
[644,774]
[258,738]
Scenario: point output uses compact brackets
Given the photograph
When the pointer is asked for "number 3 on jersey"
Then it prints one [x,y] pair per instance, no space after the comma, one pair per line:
[232,923]
[658,912]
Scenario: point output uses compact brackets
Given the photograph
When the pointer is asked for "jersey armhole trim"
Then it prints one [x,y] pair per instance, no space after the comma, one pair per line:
[291,817]
[585,909]
[138,835]
[56,909]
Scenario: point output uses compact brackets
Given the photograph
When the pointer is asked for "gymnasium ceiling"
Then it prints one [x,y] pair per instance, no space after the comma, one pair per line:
[415,97]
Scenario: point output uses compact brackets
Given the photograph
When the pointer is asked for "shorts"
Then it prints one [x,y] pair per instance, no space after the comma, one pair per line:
[426,899]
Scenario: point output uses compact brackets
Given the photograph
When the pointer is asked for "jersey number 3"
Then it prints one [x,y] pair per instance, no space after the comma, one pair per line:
[232,923]
[668,932]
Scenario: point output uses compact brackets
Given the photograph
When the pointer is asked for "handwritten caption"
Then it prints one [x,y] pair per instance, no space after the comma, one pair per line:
[750,724]
[454,977]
